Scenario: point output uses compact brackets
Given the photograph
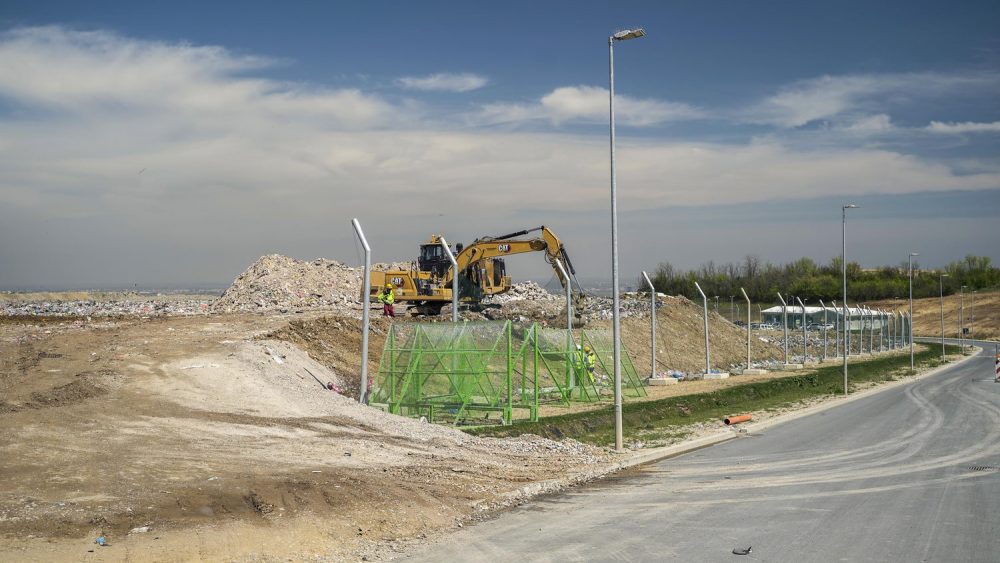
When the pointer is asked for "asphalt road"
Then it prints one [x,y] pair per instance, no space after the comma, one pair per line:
[909,474]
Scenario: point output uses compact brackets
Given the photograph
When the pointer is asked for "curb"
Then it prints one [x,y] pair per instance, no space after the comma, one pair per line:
[666,452]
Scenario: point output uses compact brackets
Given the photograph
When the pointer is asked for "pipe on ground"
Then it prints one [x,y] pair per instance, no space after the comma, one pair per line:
[738,419]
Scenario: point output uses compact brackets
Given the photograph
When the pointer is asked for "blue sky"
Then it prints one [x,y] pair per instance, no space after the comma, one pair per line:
[173,143]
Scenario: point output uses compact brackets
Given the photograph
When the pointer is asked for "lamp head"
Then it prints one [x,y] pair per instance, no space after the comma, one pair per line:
[851,206]
[626,34]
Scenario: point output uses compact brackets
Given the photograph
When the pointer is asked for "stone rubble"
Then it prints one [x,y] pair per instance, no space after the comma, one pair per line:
[276,283]
[139,306]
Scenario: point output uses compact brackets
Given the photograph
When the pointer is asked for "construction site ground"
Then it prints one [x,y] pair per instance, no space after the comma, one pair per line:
[212,437]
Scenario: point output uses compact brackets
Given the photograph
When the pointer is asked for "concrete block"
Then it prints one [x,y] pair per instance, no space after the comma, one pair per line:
[663,381]
[716,376]
[754,371]
[791,367]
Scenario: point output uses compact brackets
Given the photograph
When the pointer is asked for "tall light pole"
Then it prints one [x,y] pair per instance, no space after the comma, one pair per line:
[623,35]
[910,262]
[941,290]
[843,265]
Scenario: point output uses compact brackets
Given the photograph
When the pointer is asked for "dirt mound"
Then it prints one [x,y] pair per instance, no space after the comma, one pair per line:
[981,314]
[335,342]
[681,338]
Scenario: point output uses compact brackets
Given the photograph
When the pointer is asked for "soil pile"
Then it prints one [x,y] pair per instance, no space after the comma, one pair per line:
[980,313]
[681,339]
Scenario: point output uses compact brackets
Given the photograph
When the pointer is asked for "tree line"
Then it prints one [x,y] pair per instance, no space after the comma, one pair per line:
[808,280]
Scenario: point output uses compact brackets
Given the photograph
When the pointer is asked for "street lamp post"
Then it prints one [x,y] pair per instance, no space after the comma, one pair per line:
[941,290]
[623,35]
[843,265]
[910,333]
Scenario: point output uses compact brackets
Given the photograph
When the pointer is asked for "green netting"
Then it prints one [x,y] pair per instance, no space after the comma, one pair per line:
[603,345]
[483,371]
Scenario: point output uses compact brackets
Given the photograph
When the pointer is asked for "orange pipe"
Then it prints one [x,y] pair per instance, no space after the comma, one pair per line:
[738,419]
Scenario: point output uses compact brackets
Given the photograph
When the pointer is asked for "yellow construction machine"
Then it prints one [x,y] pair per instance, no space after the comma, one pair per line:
[427,285]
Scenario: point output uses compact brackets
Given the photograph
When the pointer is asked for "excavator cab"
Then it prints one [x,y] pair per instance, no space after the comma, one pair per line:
[433,259]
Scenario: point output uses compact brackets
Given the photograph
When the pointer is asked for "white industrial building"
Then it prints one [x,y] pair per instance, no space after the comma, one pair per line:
[774,315]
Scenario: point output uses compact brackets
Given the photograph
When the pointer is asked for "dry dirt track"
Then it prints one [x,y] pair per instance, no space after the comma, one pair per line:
[189,426]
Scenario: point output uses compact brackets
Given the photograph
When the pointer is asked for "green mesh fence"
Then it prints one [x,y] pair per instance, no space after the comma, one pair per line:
[481,372]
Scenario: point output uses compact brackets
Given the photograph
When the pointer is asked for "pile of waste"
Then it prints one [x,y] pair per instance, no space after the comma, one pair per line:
[138,306]
[521,291]
[279,283]
[276,283]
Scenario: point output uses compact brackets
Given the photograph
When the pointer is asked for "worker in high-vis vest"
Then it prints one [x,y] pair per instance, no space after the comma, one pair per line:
[387,298]
[590,362]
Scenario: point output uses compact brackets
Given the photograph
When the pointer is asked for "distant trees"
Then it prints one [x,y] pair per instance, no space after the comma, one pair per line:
[809,280]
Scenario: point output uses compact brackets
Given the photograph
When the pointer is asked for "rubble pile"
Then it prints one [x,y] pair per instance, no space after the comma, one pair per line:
[521,291]
[138,306]
[279,283]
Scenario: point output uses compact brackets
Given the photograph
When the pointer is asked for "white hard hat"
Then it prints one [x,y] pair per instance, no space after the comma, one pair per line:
[577,346]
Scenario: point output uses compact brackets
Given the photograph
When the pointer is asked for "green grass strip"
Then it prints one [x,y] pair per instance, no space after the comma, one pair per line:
[662,421]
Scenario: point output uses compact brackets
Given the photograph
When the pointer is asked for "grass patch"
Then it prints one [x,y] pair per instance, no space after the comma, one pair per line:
[656,422]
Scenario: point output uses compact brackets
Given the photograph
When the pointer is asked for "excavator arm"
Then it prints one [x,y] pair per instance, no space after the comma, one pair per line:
[509,244]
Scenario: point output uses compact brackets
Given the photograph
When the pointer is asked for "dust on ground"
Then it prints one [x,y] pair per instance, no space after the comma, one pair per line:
[192,427]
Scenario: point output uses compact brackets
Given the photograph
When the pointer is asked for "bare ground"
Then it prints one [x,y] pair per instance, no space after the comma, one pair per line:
[982,314]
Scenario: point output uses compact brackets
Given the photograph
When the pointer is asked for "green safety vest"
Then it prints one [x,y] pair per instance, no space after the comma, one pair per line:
[590,360]
[387,297]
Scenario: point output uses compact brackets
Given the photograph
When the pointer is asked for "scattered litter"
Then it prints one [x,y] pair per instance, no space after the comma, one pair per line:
[140,530]
[213,478]
[278,358]
[742,550]
[102,541]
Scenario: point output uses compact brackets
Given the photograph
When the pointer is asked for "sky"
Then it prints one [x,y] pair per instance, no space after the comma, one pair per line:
[171,144]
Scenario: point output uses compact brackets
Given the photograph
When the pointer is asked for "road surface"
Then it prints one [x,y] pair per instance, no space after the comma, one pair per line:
[909,474]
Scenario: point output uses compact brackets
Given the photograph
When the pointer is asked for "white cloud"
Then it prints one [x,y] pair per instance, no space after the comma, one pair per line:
[98,72]
[445,82]
[830,97]
[588,104]
[964,127]
[235,164]
[870,124]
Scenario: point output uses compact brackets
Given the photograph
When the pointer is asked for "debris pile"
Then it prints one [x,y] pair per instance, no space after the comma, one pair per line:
[280,283]
[138,306]
[521,291]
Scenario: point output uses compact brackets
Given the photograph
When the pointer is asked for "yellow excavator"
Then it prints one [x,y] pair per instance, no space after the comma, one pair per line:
[426,287]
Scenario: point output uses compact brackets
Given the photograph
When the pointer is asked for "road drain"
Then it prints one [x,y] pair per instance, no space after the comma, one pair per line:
[985,468]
